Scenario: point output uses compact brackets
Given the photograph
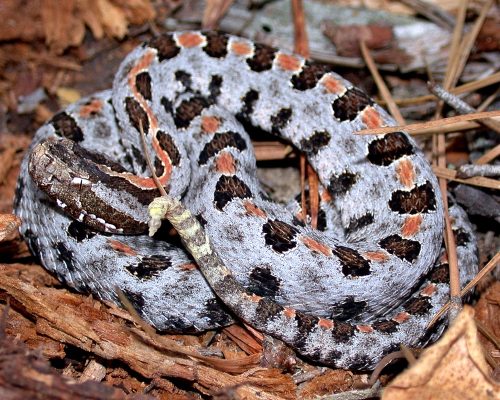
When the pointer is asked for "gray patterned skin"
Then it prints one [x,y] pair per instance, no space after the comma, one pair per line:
[370,269]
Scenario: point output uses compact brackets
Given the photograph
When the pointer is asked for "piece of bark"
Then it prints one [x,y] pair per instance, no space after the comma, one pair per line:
[85,323]
[25,374]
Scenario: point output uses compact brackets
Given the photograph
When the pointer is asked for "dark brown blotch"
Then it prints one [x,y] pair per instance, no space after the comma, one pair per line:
[249,100]
[262,282]
[159,167]
[310,75]
[385,326]
[356,224]
[462,238]
[80,231]
[149,266]
[440,274]
[279,235]
[216,44]
[420,199]
[137,115]
[389,148]
[167,105]
[215,313]
[418,306]
[340,184]
[184,78]
[342,331]
[305,325]
[65,256]
[353,264]
[219,142]
[229,188]
[348,106]
[188,110]
[165,45]
[360,362]
[279,121]
[66,126]
[32,240]
[404,249]
[348,309]
[215,87]
[262,59]
[315,142]
[167,144]
[136,298]
[143,85]
[266,311]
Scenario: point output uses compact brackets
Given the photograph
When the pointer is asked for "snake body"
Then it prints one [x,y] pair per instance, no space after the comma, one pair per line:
[372,275]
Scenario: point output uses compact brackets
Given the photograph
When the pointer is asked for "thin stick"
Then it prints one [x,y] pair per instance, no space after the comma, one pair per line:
[481,181]
[453,71]
[301,41]
[432,12]
[461,106]
[384,362]
[302,47]
[382,87]
[487,333]
[465,88]
[411,128]
[489,156]
[454,51]
[492,97]
[148,161]
[313,195]
[481,274]
[468,42]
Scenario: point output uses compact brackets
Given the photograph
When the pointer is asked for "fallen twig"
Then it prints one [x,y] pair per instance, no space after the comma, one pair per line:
[419,126]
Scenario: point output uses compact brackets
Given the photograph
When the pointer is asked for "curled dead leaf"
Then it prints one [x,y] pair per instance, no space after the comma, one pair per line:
[452,368]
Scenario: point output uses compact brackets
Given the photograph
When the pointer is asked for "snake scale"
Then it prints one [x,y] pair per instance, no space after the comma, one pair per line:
[367,280]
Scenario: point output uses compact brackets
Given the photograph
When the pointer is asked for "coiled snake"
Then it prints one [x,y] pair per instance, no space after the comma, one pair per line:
[367,280]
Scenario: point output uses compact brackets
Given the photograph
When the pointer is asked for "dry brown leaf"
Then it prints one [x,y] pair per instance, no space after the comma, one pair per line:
[62,23]
[453,368]
[136,11]
[488,313]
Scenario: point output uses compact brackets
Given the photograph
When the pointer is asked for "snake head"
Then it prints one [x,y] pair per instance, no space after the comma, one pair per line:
[89,188]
